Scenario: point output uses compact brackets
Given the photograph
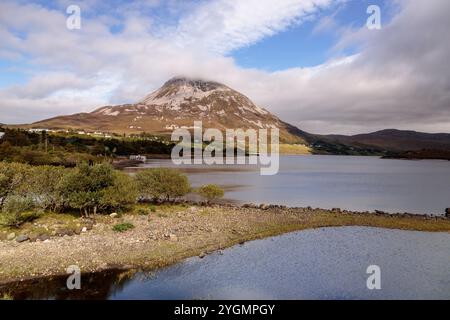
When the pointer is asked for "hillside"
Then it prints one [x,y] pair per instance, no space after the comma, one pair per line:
[394,140]
[178,103]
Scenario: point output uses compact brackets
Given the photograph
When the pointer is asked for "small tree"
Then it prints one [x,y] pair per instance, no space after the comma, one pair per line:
[121,194]
[13,177]
[211,192]
[43,184]
[83,187]
[162,183]
[17,210]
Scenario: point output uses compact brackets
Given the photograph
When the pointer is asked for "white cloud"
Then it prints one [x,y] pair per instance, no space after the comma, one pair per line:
[225,25]
[400,78]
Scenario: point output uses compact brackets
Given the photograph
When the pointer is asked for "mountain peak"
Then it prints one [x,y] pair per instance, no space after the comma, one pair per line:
[177,104]
[182,90]
[201,84]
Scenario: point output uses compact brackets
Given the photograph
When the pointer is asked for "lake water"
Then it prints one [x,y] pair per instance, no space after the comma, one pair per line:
[353,183]
[328,263]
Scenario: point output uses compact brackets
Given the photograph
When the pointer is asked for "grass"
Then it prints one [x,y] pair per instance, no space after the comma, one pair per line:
[123,227]
[294,149]
[6,296]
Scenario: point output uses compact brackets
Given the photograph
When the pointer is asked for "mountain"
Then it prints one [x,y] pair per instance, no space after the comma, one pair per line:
[181,101]
[393,140]
[178,103]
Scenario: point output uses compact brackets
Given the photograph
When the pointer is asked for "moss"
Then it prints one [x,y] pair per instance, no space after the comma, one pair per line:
[123,227]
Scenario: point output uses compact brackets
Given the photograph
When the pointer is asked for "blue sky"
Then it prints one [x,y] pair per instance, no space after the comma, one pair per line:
[312,62]
[303,45]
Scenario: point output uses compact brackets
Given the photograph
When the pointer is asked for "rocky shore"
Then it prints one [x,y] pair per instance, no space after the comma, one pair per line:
[170,233]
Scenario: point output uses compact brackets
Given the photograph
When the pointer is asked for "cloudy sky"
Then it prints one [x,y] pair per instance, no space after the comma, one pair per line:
[314,63]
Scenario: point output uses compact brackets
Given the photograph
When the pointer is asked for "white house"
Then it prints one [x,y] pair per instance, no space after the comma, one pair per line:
[138,158]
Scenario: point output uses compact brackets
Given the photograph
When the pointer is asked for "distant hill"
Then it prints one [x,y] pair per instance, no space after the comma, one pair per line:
[393,140]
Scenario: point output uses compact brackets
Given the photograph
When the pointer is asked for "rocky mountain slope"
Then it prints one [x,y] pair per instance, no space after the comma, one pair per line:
[178,103]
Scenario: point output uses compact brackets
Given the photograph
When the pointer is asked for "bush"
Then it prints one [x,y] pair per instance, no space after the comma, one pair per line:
[17,210]
[44,184]
[211,192]
[83,187]
[122,227]
[121,194]
[162,183]
[13,178]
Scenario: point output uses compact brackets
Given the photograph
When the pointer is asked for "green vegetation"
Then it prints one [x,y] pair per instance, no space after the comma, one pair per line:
[28,191]
[211,192]
[162,184]
[123,227]
[68,149]
[6,296]
[326,147]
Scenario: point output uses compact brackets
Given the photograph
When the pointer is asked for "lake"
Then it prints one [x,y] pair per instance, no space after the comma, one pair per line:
[327,263]
[352,183]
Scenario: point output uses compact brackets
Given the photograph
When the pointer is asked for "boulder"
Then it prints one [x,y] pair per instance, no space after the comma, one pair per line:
[11,236]
[113,215]
[43,237]
[22,238]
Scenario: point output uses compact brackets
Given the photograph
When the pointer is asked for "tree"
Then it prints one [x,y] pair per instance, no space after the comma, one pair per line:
[44,185]
[12,179]
[17,210]
[121,194]
[83,187]
[211,192]
[162,183]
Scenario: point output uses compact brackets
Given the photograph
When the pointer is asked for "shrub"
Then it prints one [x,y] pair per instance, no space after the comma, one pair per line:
[211,192]
[122,227]
[84,186]
[13,177]
[121,194]
[162,183]
[44,185]
[17,210]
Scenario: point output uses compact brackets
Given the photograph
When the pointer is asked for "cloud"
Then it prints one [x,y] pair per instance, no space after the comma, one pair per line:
[225,25]
[400,77]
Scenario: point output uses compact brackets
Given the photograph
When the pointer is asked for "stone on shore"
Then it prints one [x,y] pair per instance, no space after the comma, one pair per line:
[11,236]
[22,238]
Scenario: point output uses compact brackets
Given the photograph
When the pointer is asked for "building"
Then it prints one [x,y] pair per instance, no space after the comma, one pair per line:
[138,158]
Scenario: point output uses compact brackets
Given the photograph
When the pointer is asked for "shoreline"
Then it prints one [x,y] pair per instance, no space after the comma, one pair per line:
[175,232]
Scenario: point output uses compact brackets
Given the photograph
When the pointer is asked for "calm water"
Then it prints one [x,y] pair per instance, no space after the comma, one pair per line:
[326,263]
[316,264]
[354,183]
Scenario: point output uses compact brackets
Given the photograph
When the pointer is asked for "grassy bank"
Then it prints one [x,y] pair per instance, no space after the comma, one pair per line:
[150,237]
